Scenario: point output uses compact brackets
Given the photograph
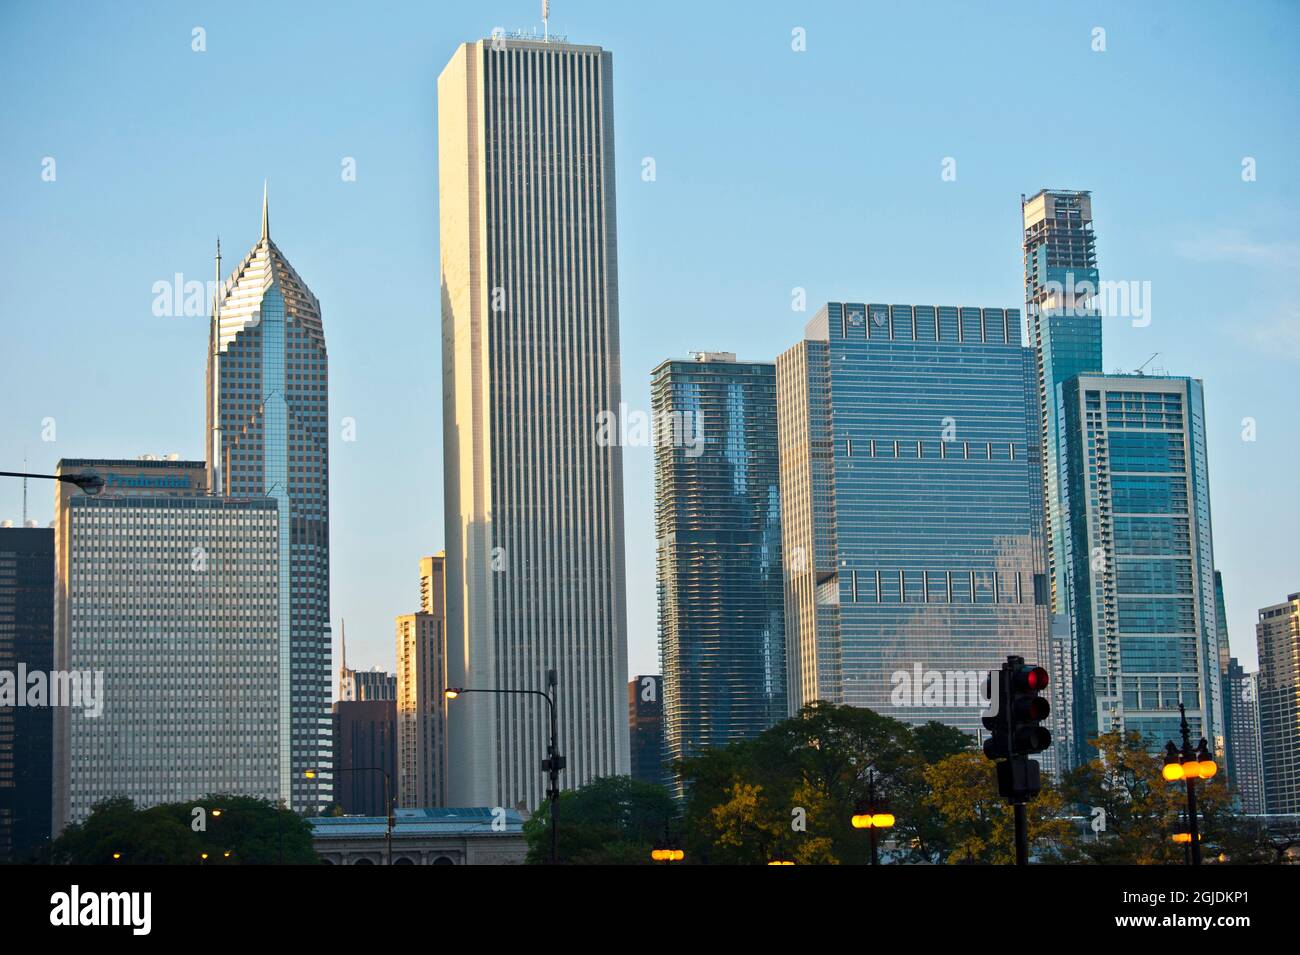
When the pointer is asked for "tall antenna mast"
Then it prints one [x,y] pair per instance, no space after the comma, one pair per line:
[215,450]
[24,492]
[546,16]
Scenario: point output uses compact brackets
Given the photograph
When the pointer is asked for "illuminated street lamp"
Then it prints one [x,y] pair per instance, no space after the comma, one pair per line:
[870,814]
[1189,765]
[780,862]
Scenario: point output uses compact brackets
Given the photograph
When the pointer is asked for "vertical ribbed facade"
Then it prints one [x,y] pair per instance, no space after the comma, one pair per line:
[718,550]
[534,503]
[268,436]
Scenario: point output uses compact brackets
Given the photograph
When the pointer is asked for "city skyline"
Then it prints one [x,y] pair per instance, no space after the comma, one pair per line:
[1243,378]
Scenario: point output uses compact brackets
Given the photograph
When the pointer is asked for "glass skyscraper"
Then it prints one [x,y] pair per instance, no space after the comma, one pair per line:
[1139,557]
[268,436]
[911,508]
[718,547]
[1064,328]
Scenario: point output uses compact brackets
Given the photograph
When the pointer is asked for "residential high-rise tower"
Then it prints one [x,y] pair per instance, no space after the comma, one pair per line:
[718,547]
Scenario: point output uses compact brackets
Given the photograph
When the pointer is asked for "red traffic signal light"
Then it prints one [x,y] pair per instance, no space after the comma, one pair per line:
[1030,679]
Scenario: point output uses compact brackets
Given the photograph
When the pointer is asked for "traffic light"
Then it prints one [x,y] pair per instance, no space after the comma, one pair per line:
[1028,710]
[998,745]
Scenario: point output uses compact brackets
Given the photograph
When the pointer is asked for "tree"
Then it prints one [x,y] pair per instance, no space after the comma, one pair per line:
[615,820]
[1143,811]
[980,824]
[253,832]
[792,791]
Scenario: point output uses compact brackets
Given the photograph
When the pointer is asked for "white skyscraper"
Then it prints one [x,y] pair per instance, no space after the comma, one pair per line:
[534,503]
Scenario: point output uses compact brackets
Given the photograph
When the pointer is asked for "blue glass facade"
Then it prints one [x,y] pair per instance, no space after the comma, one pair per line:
[910,481]
[718,529]
[1139,557]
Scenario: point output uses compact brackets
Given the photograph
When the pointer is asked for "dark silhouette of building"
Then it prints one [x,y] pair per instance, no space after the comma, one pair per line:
[365,739]
[645,715]
[26,646]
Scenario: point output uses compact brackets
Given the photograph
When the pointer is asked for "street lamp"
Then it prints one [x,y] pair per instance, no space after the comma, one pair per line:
[88,481]
[870,814]
[388,800]
[1189,765]
[553,762]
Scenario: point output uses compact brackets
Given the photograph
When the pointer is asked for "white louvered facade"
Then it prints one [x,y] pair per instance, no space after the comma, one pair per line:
[534,505]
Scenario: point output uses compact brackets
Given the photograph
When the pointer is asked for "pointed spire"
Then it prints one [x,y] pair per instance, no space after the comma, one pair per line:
[266,215]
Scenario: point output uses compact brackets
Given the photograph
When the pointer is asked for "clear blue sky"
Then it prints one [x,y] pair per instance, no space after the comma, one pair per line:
[775,169]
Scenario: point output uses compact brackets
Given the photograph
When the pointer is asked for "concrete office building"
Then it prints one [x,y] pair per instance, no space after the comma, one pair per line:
[167,611]
[534,493]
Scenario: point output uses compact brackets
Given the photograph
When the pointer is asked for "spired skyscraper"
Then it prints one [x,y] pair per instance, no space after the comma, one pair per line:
[268,435]
[534,502]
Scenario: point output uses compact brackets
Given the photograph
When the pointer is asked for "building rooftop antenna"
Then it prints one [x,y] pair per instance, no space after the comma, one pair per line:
[546,16]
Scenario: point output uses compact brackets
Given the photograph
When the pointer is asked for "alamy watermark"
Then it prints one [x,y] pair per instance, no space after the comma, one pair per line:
[82,689]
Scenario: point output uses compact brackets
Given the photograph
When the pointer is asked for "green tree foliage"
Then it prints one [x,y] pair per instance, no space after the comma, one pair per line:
[1143,811]
[979,825]
[253,832]
[615,820]
[791,792]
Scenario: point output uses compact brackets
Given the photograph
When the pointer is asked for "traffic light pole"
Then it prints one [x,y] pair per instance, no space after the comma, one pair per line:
[1022,833]
[1015,734]
[1192,827]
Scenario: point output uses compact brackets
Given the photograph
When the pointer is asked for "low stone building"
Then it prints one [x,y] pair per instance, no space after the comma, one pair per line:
[423,837]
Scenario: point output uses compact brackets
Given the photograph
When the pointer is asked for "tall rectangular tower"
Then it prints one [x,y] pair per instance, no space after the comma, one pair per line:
[168,598]
[1241,715]
[1064,329]
[26,647]
[1139,557]
[534,501]
[1278,636]
[911,508]
[718,547]
[268,436]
